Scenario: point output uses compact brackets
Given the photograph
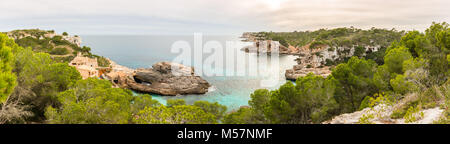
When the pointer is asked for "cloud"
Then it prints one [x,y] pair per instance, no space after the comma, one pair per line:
[231,16]
[362,13]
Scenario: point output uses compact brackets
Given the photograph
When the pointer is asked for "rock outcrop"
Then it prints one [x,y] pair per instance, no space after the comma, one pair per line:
[164,78]
[318,60]
[381,113]
[267,46]
[301,71]
[315,60]
[382,116]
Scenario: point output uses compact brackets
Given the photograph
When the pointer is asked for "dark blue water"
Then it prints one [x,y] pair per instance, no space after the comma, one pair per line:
[144,51]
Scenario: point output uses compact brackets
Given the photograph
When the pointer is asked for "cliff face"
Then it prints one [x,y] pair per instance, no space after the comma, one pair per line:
[318,60]
[315,60]
[322,49]
[267,46]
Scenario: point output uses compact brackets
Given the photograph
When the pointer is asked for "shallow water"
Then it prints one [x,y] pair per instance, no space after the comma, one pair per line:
[144,51]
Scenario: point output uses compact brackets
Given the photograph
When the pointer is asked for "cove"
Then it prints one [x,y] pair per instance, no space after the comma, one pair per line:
[144,51]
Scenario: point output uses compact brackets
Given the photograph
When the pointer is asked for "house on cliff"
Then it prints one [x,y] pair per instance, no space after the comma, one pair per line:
[85,65]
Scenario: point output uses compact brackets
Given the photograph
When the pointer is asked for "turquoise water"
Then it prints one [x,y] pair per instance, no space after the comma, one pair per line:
[144,51]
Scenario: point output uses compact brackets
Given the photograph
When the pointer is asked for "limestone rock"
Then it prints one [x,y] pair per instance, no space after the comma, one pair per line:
[301,71]
[168,78]
[267,47]
[382,116]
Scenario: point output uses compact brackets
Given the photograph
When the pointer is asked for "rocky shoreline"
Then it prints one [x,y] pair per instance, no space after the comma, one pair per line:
[317,60]
[308,62]
[161,79]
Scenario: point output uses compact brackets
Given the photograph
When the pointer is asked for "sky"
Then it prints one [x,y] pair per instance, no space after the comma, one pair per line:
[149,17]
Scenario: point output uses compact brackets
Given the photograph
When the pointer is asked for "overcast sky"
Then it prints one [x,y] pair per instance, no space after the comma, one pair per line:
[140,17]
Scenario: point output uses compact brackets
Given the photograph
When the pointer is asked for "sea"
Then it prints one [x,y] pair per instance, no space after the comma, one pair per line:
[233,90]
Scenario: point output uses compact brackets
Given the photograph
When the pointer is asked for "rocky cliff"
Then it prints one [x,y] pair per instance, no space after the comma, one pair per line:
[323,49]
[319,60]
[161,79]
[41,34]
[267,46]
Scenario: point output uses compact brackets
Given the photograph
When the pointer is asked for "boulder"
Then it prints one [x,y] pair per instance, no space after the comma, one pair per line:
[166,78]
[301,71]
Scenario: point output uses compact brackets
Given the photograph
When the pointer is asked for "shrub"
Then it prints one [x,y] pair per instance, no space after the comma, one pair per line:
[59,51]
[103,62]
[413,115]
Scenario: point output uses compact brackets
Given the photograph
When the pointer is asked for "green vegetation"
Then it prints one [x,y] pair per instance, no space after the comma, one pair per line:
[38,80]
[354,80]
[336,37]
[33,32]
[95,101]
[309,101]
[341,39]
[412,114]
[7,78]
[59,51]
[177,112]
[317,44]
[175,102]
[413,70]
[56,45]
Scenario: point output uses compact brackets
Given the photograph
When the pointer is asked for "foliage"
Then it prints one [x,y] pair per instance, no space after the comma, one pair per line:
[139,102]
[381,78]
[59,51]
[215,108]
[401,111]
[178,114]
[92,101]
[413,115]
[241,116]
[7,78]
[258,102]
[317,44]
[354,82]
[394,59]
[40,79]
[336,37]
[365,103]
[175,102]
[310,101]
[359,51]
[378,105]
[102,61]
[365,119]
[39,41]
[281,40]
[401,85]
[417,63]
